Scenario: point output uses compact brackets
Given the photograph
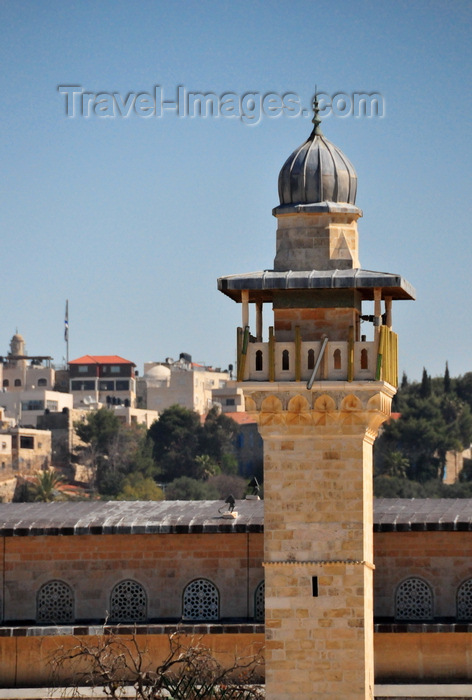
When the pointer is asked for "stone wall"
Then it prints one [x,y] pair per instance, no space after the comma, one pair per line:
[163,564]
[441,559]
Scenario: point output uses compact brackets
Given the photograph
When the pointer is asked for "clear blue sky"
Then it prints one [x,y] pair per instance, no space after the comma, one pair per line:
[133,219]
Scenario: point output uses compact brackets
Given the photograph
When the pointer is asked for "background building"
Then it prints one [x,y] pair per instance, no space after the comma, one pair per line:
[28,384]
[26,406]
[22,372]
[180,382]
[102,379]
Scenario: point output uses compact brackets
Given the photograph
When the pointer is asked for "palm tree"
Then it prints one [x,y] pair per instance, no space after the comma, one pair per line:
[45,485]
[396,464]
[207,467]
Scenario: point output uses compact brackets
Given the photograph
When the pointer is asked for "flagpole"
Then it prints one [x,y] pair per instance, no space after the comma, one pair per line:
[66,331]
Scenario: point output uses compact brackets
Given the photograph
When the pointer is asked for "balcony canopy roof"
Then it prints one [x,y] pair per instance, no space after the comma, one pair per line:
[262,285]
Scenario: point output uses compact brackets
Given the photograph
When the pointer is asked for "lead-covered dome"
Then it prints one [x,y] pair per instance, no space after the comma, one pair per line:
[317,172]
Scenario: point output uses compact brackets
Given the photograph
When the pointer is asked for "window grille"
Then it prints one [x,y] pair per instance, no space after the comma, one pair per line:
[55,603]
[414,600]
[201,601]
[128,602]
[259,602]
[464,600]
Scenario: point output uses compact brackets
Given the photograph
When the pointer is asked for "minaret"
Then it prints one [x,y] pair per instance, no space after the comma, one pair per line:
[320,390]
[17,349]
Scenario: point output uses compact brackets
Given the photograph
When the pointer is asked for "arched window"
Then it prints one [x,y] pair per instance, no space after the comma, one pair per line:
[414,600]
[337,358]
[464,600]
[17,382]
[6,382]
[364,359]
[259,602]
[311,358]
[55,603]
[42,382]
[259,361]
[128,602]
[285,360]
[201,601]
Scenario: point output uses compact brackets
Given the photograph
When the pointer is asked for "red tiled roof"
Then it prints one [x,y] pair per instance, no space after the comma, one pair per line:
[241,417]
[101,360]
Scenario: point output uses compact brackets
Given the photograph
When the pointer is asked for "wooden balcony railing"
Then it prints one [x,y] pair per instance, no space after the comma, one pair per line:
[297,361]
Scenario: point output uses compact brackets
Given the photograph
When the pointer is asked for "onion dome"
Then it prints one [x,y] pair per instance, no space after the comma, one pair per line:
[317,172]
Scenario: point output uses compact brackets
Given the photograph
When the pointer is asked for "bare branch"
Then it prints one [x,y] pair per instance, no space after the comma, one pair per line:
[189,671]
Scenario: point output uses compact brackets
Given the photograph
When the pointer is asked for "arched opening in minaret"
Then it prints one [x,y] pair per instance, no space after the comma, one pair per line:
[311,358]
[259,361]
[364,359]
[337,358]
[285,360]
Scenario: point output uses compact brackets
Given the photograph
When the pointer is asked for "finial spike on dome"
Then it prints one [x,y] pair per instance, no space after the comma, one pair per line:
[316,116]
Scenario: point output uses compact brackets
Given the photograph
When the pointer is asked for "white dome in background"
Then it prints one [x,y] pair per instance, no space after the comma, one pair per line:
[158,373]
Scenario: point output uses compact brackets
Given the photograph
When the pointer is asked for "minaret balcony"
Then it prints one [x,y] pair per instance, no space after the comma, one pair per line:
[318,360]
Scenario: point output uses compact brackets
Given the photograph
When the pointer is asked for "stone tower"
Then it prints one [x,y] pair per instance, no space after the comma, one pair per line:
[320,390]
[16,356]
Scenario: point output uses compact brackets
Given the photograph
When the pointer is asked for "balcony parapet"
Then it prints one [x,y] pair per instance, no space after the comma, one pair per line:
[307,361]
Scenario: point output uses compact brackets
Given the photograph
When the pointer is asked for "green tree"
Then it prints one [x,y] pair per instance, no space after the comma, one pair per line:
[394,464]
[45,486]
[463,387]
[207,467]
[186,489]
[182,446]
[425,390]
[137,487]
[428,427]
[414,435]
[113,451]
[466,472]
[396,487]
[129,452]
[447,380]
[217,440]
[175,441]
[98,428]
